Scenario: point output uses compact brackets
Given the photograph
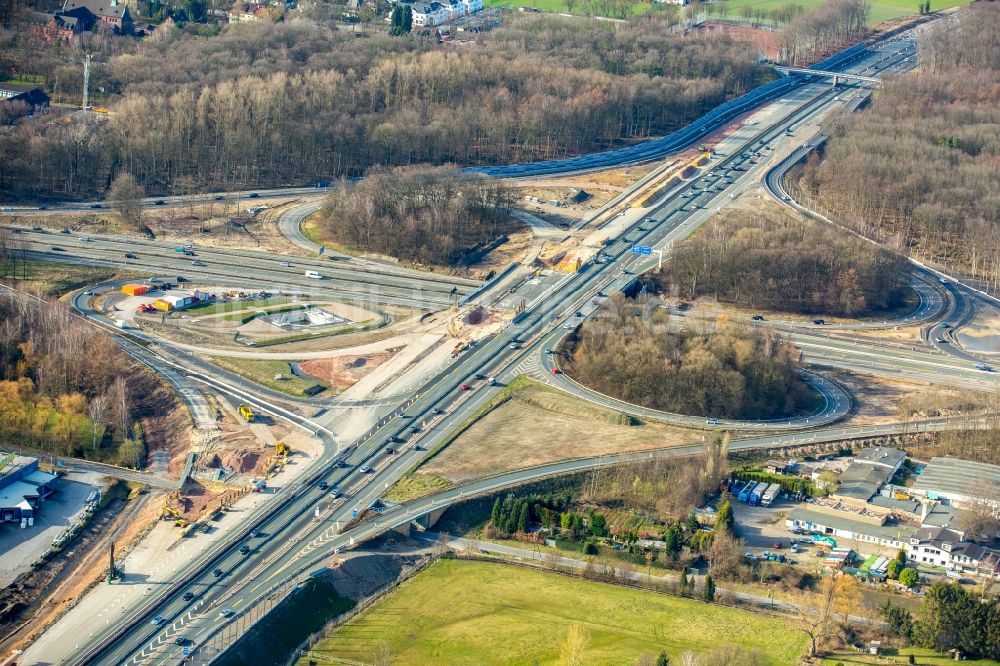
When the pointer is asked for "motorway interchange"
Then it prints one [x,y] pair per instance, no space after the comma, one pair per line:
[282,542]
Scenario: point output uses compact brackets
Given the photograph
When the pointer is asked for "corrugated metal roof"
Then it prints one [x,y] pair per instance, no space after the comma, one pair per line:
[958,477]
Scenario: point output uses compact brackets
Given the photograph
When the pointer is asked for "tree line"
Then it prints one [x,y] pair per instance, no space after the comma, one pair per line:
[64,388]
[917,171]
[295,102]
[733,372]
[429,216]
[831,26]
[777,262]
[950,618]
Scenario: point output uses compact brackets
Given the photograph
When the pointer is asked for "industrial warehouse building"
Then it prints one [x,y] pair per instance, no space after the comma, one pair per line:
[961,483]
[923,520]
[22,488]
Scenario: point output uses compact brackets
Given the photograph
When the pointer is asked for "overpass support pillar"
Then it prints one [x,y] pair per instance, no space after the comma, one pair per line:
[403,529]
[428,520]
[835,80]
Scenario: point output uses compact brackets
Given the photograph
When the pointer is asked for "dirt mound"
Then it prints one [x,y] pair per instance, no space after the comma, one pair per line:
[240,460]
[343,372]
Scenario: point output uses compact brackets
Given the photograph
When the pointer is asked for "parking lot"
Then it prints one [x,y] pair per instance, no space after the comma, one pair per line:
[762,527]
[19,548]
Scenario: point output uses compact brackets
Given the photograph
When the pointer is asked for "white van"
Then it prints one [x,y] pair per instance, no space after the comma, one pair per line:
[314,274]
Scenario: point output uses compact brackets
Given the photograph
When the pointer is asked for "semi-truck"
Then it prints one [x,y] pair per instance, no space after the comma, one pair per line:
[770,494]
[757,493]
[745,491]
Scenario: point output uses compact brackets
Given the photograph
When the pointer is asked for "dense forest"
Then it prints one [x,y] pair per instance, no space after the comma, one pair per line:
[294,102]
[733,372]
[429,216]
[63,386]
[777,262]
[920,170]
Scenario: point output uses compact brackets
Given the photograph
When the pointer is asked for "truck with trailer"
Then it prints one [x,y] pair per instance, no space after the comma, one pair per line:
[770,494]
[757,493]
[745,491]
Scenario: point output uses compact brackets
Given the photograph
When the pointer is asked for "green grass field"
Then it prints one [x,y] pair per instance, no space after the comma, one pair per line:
[881,10]
[205,309]
[460,612]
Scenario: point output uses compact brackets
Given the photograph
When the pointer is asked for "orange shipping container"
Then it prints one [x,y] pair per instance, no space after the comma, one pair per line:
[134,289]
[162,305]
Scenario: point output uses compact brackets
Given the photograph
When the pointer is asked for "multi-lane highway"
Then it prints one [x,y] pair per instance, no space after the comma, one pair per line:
[305,524]
[342,278]
[428,416]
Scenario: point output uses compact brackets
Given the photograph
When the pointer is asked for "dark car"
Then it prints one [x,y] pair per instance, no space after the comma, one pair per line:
[390,451]
[159,202]
[64,231]
[480,375]
[97,205]
[180,640]
[188,596]
[129,255]
[819,322]
[217,573]
[56,248]
[244,549]
[323,485]
[414,429]
[757,318]
[254,195]
[219,197]
[438,410]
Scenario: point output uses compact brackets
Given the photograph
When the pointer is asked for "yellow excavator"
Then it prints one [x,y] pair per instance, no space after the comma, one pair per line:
[170,513]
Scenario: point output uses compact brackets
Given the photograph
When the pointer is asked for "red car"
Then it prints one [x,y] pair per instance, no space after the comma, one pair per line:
[556,371]
[465,387]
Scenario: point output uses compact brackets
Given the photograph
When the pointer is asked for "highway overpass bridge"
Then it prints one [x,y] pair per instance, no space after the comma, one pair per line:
[836,76]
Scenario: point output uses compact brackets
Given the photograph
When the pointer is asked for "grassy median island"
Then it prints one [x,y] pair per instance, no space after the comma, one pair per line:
[460,612]
[264,371]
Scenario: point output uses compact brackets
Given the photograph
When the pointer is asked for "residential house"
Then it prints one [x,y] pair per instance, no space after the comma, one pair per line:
[109,12]
[428,13]
[248,13]
[19,99]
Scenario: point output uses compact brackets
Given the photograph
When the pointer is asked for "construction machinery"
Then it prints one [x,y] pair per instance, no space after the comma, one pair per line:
[170,512]
[246,413]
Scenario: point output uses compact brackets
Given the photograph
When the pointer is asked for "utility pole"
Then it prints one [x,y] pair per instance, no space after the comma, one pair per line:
[112,571]
[86,82]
